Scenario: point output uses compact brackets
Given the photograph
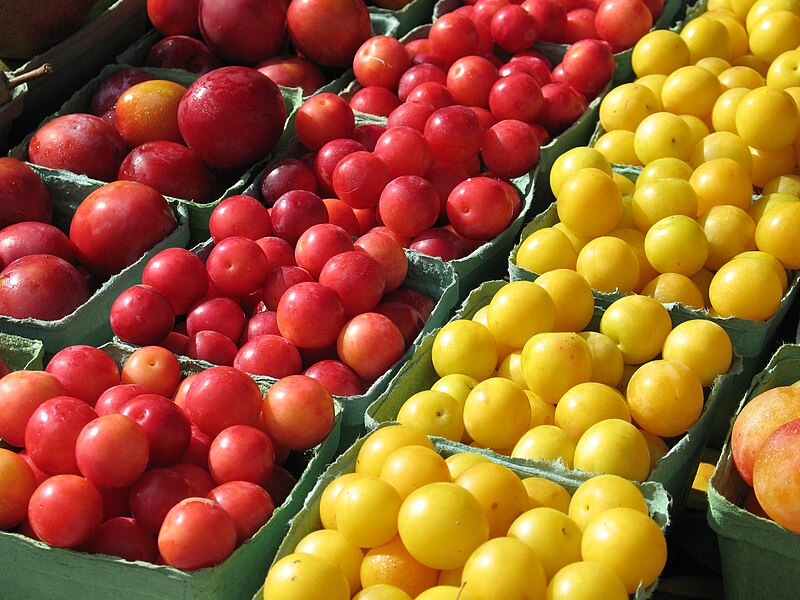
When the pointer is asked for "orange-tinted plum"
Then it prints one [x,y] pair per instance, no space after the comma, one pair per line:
[370,343]
[148,111]
[757,420]
[298,412]
[776,475]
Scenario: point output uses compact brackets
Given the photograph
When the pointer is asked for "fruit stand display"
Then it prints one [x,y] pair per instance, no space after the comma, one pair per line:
[258,225]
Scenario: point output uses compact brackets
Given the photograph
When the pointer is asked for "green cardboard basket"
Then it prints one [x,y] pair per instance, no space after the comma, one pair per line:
[90,322]
[416,12]
[675,471]
[751,339]
[308,519]
[760,558]
[21,354]
[199,213]
[33,569]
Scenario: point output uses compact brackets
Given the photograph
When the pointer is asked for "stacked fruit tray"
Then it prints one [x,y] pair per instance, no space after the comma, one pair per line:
[380,252]
[95,567]
[415,544]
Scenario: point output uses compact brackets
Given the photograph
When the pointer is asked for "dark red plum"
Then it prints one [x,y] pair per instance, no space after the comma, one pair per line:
[80,143]
[243,31]
[183,52]
[23,195]
[33,237]
[232,117]
[41,286]
[170,168]
[116,224]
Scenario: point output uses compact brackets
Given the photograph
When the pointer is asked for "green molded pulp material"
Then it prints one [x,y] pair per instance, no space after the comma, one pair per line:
[760,558]
[308,519]
[416,12]
[199,213]
[432,277]
[79,58]
[33,569]
[89,323]
[750,338]
[21,354]
[675,471]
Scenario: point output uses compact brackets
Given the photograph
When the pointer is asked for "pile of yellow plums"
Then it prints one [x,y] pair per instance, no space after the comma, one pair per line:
[524,378]
[407,523]
[678,234]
